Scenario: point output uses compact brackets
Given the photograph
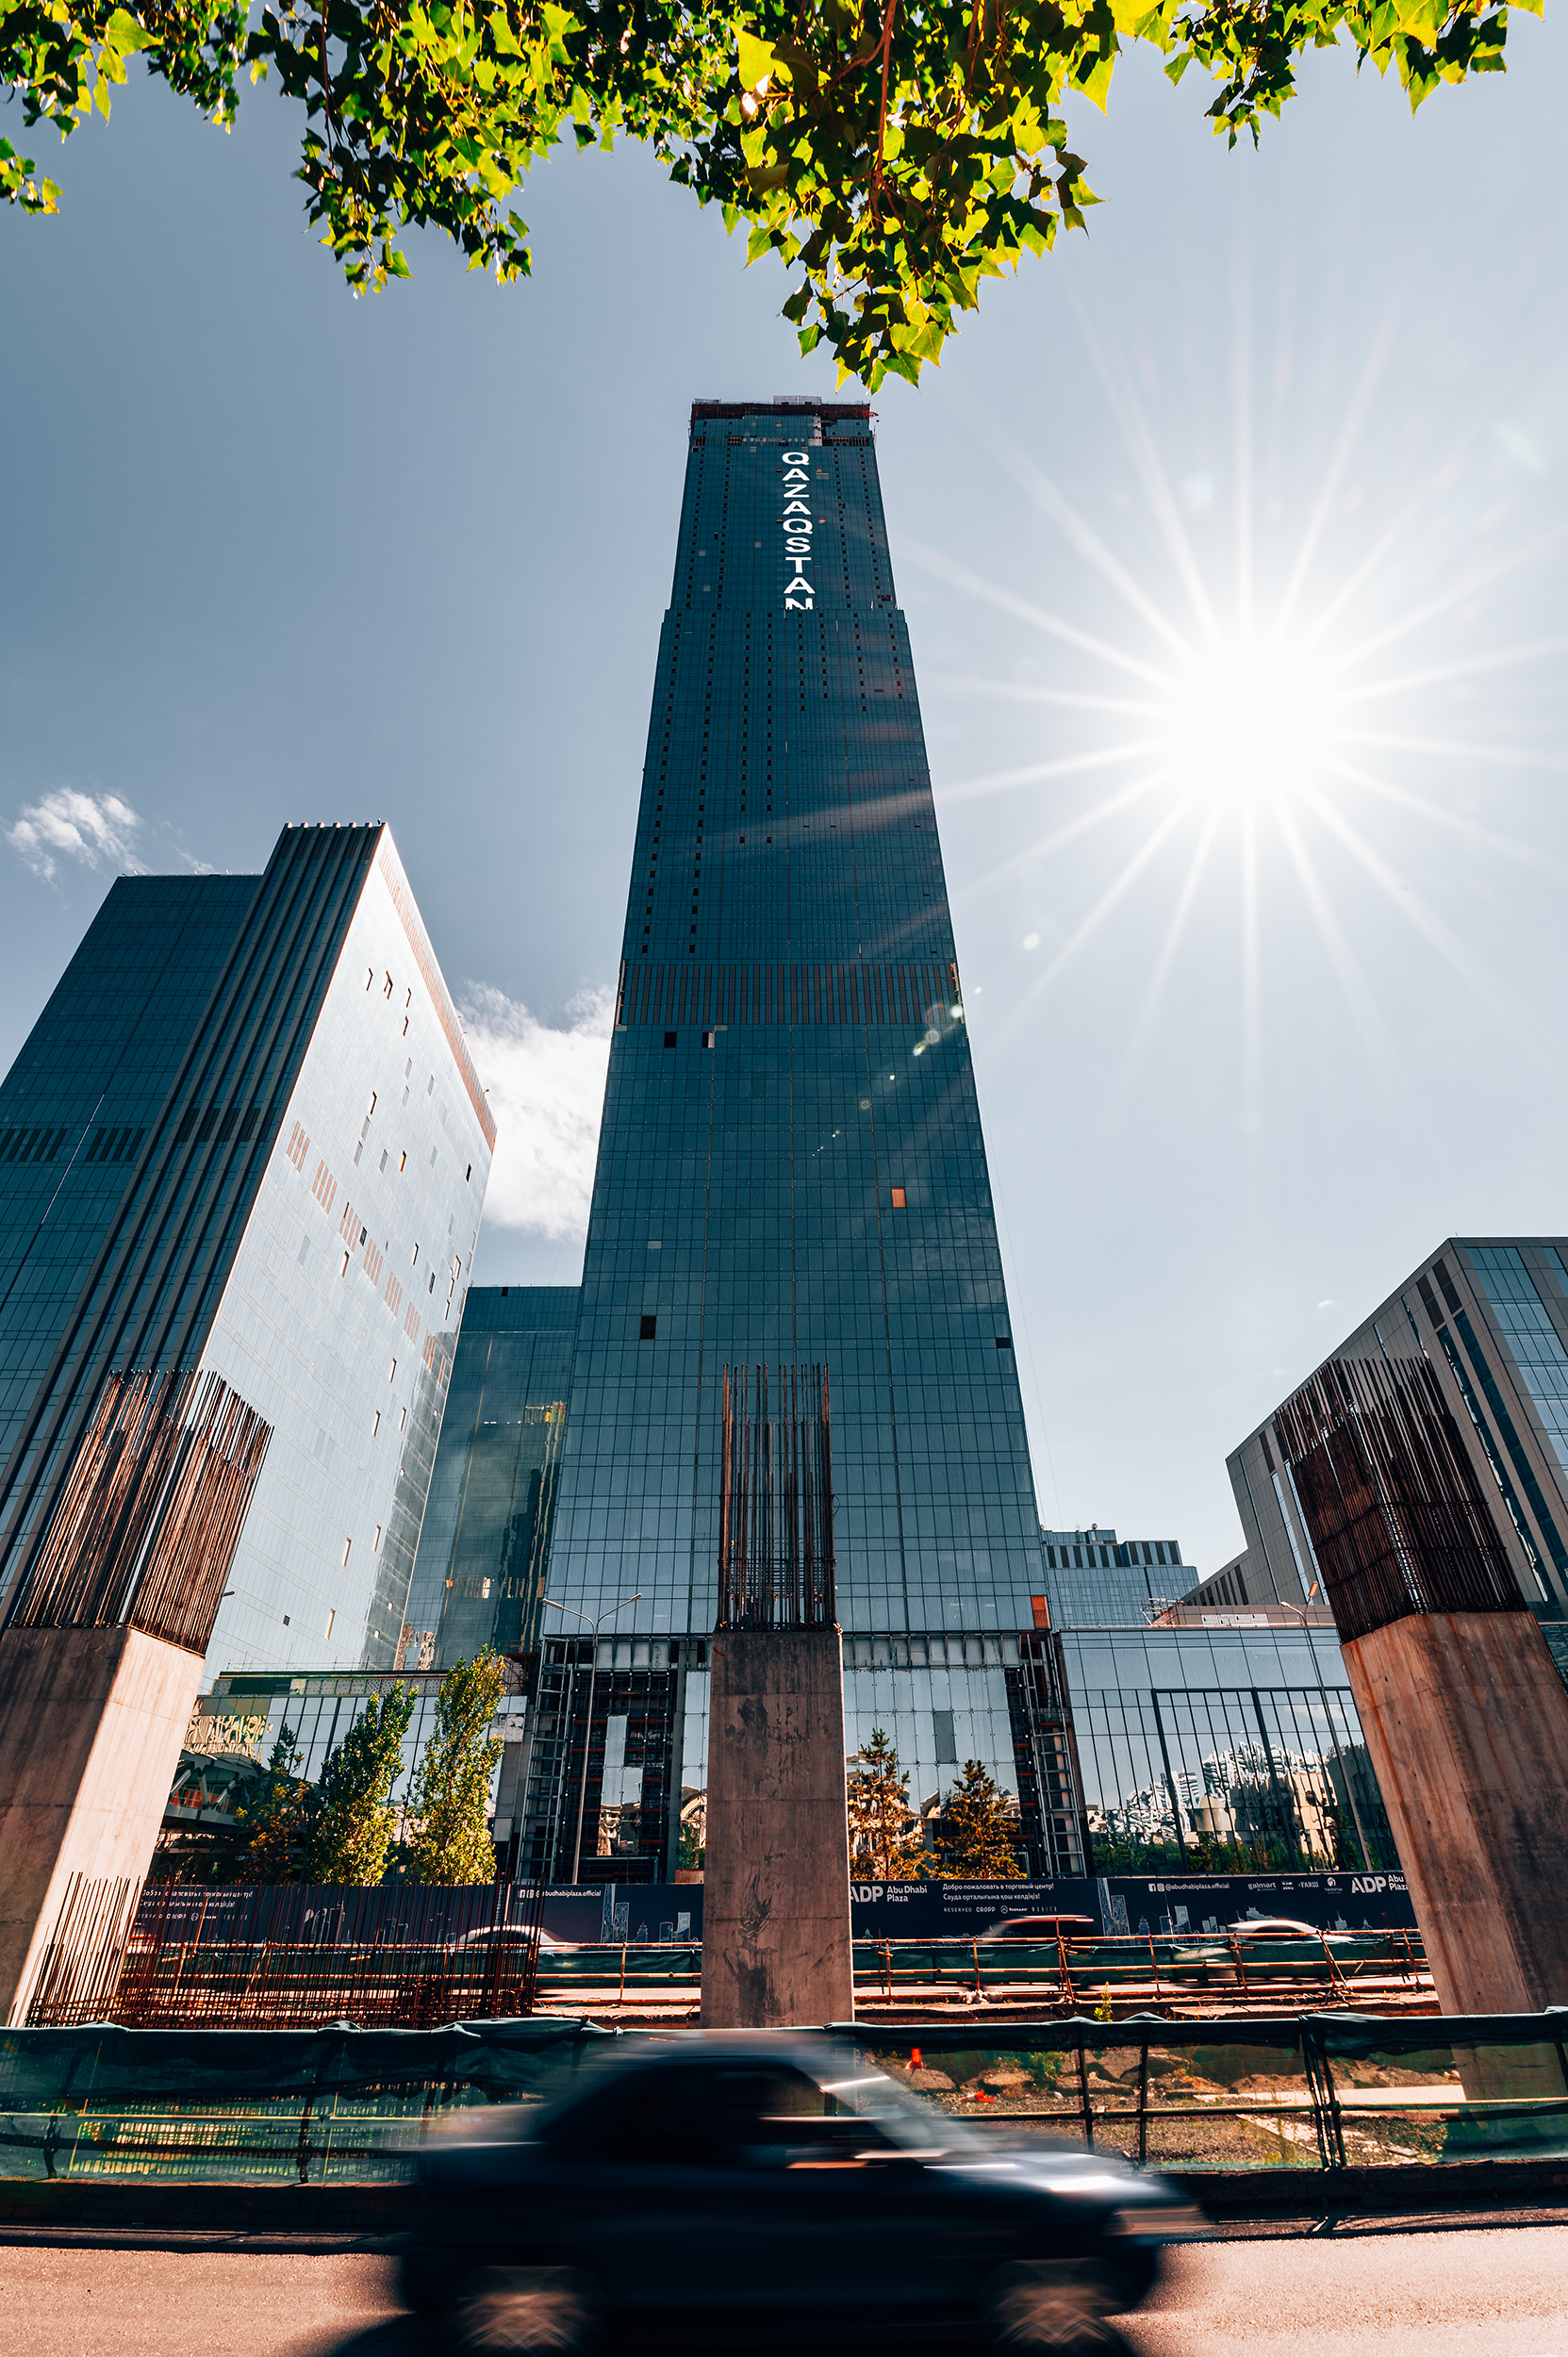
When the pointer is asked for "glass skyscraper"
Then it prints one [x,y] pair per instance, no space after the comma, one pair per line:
[244,1142]
[791,1170]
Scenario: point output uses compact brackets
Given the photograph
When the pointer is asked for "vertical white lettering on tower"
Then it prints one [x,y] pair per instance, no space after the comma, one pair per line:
[796,526]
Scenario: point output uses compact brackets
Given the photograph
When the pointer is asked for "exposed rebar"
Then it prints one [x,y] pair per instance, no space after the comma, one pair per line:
[775,1511]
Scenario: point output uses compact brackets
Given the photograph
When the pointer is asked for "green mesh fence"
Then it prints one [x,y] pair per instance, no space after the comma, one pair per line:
[252,2107]
[339,2105]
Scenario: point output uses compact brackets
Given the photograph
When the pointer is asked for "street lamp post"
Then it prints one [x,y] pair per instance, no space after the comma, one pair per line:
[588,1731]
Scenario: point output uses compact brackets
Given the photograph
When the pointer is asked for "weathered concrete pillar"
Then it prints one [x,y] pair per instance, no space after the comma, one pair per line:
[92,1721]
[776,1892]
[1466,1723]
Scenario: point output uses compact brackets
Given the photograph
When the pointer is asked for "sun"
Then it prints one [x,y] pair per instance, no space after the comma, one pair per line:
[1249,720]
[1269,704]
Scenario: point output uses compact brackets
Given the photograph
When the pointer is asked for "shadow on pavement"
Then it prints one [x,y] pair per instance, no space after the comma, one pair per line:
[401,2336]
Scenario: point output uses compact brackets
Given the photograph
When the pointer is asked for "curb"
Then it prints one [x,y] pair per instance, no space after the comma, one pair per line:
[374,2217]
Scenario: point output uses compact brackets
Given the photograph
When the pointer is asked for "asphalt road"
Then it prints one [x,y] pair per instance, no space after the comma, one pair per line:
[1495,2292]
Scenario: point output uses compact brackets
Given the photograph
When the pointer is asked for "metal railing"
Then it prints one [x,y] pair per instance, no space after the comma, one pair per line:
[1334,2091]
[1325,2092]
[296,1958]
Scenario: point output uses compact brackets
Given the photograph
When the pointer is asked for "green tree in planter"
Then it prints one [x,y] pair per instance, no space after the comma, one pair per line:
[976,1831]
[352,1822]
[450,1803]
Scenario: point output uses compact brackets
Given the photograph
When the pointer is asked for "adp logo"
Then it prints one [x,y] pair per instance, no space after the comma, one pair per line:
[864,1892]
[1364,1885]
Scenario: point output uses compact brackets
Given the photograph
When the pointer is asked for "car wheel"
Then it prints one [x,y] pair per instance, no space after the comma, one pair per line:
[524,2312]
[1051,2308]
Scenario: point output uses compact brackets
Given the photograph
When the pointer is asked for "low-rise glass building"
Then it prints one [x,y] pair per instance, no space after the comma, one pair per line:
[1092,1576]
[1226,1749]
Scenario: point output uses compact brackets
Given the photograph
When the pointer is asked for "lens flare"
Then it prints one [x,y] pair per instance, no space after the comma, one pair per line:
[1261,707]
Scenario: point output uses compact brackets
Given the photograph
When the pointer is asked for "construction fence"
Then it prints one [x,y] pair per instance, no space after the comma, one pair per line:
[344,2106]
[296,1958]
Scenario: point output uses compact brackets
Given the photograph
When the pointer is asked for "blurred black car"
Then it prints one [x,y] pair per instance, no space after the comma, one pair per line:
[752,2191]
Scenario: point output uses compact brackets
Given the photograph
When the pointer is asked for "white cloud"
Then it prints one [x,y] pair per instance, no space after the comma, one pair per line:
[95,829]
[546,1091]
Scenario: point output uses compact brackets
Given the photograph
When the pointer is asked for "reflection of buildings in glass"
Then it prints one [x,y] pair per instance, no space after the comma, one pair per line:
[479,1571]
[245,1140]
[942,1700]
[318,1709]
[1245,1794]
[1231,1745]
[790,1170]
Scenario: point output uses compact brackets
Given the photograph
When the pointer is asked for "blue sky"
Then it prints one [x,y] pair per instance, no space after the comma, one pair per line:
[1230,540]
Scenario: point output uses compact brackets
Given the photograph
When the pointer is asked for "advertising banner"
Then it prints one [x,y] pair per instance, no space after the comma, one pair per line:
[1106,1907]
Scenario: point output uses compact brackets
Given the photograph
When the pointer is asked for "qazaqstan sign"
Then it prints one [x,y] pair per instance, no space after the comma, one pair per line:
[796,523]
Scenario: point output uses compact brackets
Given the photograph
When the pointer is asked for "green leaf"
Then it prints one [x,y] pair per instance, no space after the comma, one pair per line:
[758,62]
[125,34]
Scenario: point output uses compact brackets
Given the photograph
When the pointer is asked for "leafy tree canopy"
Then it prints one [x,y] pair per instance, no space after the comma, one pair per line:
[273,1823]
[451,1800]
[351,1823]
[975,1831]
[892,153]
[885,1832]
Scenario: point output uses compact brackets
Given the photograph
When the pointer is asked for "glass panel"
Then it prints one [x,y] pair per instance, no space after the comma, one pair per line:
[1451,2102]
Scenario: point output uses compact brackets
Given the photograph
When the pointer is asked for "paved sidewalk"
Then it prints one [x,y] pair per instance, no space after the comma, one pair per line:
[1448,2292]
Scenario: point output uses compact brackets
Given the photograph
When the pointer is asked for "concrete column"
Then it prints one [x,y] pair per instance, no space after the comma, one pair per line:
[1466,1723]
[776,1891]
[92,1722]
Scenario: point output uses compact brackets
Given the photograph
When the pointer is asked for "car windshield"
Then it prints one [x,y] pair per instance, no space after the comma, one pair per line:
[697,2106]
[904,2119]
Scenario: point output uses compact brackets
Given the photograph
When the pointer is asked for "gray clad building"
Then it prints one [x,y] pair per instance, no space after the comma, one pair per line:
[244,1152]
[1487,1317]
[1417,1482]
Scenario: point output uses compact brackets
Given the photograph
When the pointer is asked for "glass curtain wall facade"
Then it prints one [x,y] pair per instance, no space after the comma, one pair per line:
[318,1711]
[790,1167]
[88,1085]
[479,1573]
[291,1233]
[1223,1751]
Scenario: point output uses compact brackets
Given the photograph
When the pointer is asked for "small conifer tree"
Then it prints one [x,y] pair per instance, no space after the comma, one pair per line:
[450,1805]
[976,1831]
[885,1832]
[274,1819]
[352,1824]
